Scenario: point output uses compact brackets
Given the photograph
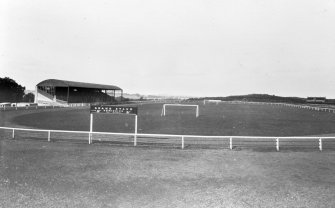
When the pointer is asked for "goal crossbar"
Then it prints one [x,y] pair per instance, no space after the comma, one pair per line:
[182,105]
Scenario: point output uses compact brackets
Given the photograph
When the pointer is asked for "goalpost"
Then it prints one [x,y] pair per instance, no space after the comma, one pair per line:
[212,101]
[182,105]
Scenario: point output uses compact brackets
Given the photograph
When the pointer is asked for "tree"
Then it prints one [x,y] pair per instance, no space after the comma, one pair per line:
[10,91]
[29,97]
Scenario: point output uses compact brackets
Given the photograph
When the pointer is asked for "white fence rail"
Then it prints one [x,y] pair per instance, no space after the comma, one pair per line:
[308,107]
[6,108]
[182,140]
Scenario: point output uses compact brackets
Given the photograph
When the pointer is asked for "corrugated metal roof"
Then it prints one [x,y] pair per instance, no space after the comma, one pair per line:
[64,83]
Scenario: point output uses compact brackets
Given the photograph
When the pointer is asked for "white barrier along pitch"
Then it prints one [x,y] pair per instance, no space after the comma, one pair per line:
[330,110]
[182,105]
[183,137]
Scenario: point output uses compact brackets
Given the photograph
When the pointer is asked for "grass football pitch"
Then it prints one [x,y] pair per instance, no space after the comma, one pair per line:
[41,174]
[70,174]
[222,119]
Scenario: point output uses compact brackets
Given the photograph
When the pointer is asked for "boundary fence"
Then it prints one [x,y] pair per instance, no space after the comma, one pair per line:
[8,108]
[308,107]
[228,142]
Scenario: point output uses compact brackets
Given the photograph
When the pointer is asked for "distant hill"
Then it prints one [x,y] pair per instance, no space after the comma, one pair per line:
[256,98]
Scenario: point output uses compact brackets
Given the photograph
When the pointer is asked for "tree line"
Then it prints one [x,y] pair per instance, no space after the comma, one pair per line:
[256,98]
[11,91]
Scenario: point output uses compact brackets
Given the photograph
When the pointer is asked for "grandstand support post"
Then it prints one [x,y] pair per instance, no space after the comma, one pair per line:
[197,113]
[91,129]
[13,134]
[277,144]
[320,144]
[135,135]
[182,142]
[231,143]
[49,132]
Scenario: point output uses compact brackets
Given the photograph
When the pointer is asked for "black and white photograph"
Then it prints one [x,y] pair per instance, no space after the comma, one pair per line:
[167,103]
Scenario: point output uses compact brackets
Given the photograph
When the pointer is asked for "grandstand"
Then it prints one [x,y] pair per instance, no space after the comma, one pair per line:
[62,92]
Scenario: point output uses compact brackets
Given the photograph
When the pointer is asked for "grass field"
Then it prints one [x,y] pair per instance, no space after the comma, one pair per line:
[41,174]
[37,173]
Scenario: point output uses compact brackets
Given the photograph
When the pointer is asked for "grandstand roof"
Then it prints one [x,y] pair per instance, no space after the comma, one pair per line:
[64,83]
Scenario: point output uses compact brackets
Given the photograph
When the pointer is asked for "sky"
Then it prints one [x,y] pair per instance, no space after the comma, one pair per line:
[173,47]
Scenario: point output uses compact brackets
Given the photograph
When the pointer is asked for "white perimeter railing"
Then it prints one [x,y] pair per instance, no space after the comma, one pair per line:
[309,107]
[30,107]
[182,138]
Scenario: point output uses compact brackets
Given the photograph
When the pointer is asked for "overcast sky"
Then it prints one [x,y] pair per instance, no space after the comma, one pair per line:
[175,47]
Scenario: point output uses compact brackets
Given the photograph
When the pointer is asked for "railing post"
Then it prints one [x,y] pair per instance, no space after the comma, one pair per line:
[231,143]
[49,132]
[135,134]
[182,142]
[320,144]
[277,144]
[91,129]
[13,134]
[90,138]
